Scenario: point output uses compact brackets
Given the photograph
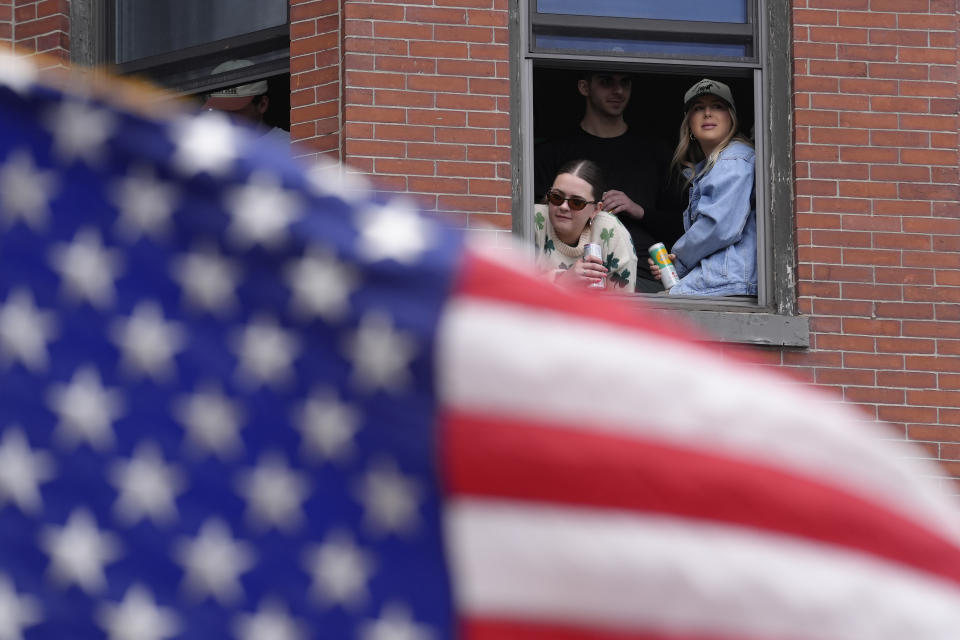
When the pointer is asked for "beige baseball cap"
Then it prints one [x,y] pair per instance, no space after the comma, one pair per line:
[234,98]
[712,87]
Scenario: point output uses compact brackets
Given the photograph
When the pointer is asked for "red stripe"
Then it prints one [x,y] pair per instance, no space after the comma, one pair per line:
[503,457]
[490,629]
[480,277]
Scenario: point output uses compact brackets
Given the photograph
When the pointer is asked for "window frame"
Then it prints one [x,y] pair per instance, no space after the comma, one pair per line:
[94,44]
[773,319]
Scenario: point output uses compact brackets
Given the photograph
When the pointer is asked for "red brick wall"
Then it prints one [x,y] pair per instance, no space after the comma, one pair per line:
[878,219]
[426,103]
[315,68]
[6,24]
[39,26]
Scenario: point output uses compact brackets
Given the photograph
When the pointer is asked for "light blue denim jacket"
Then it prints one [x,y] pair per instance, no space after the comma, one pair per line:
[717,254]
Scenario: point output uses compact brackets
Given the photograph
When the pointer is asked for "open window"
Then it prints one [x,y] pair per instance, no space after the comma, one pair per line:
[667,46]
[178,43]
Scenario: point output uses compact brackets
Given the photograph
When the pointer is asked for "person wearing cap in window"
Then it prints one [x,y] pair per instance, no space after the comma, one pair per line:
[717,253]
[246,102]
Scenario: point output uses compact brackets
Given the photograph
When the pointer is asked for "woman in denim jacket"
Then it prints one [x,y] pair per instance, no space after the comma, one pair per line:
[717,254]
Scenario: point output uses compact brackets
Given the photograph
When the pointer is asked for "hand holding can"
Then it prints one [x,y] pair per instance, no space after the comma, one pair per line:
[594,250]
[668,272]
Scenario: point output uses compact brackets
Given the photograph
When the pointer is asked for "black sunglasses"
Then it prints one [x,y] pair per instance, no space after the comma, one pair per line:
[556,198]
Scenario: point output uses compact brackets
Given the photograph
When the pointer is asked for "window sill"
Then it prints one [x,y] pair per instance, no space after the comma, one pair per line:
[735,319]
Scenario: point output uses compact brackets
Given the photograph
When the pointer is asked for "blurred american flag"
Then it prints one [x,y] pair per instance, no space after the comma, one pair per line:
[242,400]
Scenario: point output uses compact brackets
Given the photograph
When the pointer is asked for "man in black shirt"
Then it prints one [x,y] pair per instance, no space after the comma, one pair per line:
[632,166]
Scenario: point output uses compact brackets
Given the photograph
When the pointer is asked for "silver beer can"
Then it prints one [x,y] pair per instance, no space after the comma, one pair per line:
[592,249]
[668,272]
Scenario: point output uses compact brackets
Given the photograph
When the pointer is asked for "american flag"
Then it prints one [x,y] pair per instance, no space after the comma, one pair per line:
[241,399]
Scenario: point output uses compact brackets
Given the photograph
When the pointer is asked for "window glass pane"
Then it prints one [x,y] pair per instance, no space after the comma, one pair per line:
[697,10]
[148,27]
[623,46]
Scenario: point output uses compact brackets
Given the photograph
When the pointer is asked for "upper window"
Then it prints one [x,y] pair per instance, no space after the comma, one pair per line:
[177,43]
[719,29]
[664,47]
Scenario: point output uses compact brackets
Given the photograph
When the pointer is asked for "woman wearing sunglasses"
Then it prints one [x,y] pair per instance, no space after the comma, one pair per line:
[717,254]
[575,217]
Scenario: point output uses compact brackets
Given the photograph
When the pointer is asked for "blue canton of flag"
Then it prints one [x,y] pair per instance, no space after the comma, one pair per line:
[216,396]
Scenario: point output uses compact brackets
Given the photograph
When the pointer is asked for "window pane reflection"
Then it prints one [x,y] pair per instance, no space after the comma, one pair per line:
[149,27]
[617,46]
[696,10]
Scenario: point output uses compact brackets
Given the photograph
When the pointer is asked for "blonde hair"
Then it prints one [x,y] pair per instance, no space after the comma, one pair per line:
[688,155]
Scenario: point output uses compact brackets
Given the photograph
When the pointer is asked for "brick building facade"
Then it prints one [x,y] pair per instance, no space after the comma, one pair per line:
[421,95]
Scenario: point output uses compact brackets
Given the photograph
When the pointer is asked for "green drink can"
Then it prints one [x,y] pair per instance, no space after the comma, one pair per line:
[668,272]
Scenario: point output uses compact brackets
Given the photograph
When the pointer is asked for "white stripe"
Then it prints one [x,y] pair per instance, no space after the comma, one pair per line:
[579,373]
[621,571]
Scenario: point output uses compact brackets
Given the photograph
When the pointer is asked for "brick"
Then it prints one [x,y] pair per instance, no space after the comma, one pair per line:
[904,310]
[432,15]
[488,18]
[481,35]
[866,19]
[405,166]
[837,34]
[813,16]
[434,184]
[870,53]
[434,151]
[472,204]
[373,11]
[489,52]
[488,154]
[900,6]
[929,122]
[437,83]
[824,135]
[911,414]
[900,71]
[816,187]
[466,135]
[374,148]
[408,133]
[482,69]
[390,98]
[842,307]
[25,12]
[947,381]
[404,31]
[934,398]
[873,361]
[405,65]
[465,102]
[869,154]
[465,169]
[307,10]
[904,276]
[929,157]
[41,26]
[935,433]
[492,86]
[382,46]
[900,139]
[927,55]
[900,173]
[867,190]
[905,345]
[874,395]
[930,192]
[896,36]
